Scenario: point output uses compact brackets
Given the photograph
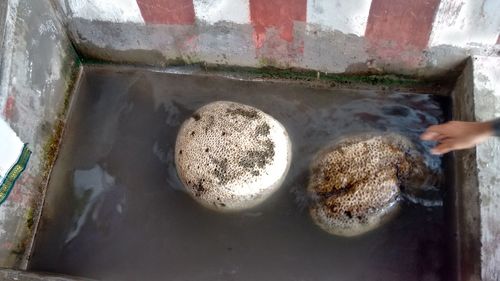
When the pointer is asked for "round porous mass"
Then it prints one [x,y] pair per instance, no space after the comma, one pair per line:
[355,183]
[231,156]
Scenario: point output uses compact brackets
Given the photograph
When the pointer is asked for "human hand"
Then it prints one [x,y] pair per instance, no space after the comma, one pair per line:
[456,135]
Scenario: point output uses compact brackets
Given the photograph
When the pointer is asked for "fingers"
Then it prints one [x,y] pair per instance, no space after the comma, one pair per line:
[450,136]
[441,128]
[428,136]
[442,148]
[435,133]
[432,136]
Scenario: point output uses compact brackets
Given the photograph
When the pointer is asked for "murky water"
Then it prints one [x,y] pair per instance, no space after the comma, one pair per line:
[116,210]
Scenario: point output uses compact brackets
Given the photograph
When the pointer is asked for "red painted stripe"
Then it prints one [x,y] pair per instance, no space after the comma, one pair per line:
[278,14]
[395,26]
[167,11]
[8,110]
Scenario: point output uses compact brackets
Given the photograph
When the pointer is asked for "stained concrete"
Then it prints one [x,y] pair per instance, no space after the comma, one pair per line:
[465,195]
[226,43]
[115,209]
[476,97]
[3,12]
[159,45]
[486,75]
[17,275]
[315,46]
[462,23]
[37,65]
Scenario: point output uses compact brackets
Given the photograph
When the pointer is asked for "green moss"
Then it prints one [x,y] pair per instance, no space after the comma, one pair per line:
[308,75]
[95,61]
[271,69]
[50,149]
[190,59]
[177,61]
[52,144]
[271,63]
[30,218]
[20,249]
[71,67]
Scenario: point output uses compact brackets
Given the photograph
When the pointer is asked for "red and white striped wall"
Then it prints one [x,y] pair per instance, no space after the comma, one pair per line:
[464,22]
[391,28]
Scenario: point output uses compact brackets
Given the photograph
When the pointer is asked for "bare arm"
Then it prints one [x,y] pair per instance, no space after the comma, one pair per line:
[457,135]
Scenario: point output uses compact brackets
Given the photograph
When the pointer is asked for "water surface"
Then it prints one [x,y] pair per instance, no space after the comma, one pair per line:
[115,209]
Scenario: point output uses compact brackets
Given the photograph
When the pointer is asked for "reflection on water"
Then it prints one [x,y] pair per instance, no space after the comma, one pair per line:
[89,185]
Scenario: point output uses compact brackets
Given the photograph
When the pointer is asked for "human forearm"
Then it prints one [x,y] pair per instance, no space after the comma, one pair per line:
[456,135]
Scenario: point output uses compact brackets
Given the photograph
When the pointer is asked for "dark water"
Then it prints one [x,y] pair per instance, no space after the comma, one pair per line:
[115,209]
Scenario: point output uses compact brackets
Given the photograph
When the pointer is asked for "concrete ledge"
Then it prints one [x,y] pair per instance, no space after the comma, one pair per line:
[17,275]
[464,191]
[486,72]
[476,97]
[36,73]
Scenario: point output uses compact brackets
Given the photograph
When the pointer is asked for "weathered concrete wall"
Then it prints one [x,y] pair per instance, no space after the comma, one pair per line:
[466,217]
[409,37]
[15,275]
[466,23]
[487,107]
[3,12]
[476,97]
[37,62]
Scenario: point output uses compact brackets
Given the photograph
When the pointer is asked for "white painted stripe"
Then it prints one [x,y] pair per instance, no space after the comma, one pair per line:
[465,22]
[342,15]
[10,148]
[212,11]
[487,90]
[106,10]
[6,55]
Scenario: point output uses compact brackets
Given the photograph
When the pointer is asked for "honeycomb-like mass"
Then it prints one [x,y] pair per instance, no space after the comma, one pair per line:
[354,184]
[231,156]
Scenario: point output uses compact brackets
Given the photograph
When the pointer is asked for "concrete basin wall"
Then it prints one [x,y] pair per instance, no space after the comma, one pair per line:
[37,67]
[39,42]
[486,75]
[425,38]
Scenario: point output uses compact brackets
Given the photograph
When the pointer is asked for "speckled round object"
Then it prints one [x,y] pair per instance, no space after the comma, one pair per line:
[231,156]
[354,184]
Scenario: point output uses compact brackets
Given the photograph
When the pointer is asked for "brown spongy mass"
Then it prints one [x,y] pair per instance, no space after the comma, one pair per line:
[355,183]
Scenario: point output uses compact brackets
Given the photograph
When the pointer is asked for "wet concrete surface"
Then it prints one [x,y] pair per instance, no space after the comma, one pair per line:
[116,210]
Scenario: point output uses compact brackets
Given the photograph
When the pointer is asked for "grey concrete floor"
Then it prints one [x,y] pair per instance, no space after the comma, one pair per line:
[115,209]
